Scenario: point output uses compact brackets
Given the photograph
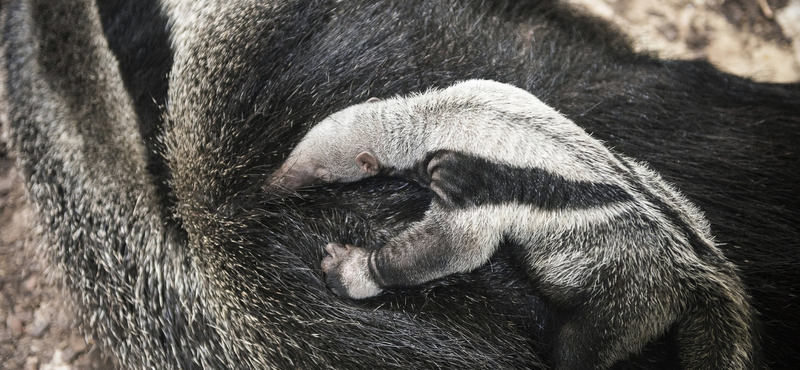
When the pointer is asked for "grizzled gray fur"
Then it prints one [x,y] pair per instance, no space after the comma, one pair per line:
[145,131]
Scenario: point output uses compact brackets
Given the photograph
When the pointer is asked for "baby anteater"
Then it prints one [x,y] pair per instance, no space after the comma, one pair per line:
[606,240]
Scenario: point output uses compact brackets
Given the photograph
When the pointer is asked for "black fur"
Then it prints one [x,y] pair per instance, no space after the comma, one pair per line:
[470,181]
[232,281]
[137,35]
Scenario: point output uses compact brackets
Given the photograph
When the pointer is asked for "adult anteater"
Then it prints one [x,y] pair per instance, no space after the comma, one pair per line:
[146,129]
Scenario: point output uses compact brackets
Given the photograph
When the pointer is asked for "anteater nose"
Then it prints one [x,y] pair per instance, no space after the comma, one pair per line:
[290,180]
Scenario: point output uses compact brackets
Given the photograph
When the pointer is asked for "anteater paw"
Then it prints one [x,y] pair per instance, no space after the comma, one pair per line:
[347,271]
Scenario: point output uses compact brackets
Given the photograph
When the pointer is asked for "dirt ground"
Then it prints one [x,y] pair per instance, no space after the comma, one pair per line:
[755,38]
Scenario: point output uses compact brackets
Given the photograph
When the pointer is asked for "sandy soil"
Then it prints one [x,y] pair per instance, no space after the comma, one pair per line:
[754,38]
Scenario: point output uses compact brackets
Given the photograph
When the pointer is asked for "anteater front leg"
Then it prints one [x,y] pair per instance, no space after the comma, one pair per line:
[447,240]
[432,248]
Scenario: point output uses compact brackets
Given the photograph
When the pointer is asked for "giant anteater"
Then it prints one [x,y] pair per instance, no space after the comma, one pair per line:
[146,129]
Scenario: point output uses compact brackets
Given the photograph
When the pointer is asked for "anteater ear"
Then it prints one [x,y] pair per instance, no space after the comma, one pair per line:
[368,162]
[372,100]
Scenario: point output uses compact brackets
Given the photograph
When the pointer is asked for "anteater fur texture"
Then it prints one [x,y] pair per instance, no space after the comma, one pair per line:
[145,130]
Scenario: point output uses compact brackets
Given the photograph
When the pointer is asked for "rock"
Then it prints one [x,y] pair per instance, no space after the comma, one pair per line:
[669,31]
[23,315]
[57,363]
[789,20]
[78,343]
[14,325]
[5,336]
[42,320]
[69,355]
[32,363]
[30,283]
[5,185]
[39,328]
